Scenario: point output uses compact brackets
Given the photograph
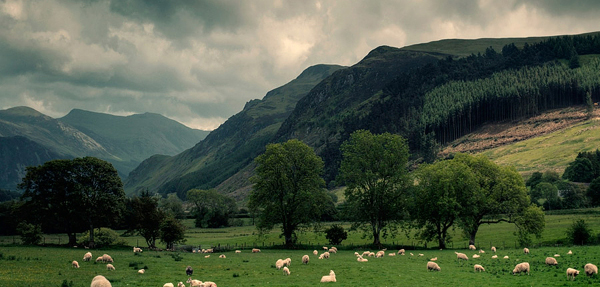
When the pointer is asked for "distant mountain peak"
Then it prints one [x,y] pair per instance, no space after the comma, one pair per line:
[22,111]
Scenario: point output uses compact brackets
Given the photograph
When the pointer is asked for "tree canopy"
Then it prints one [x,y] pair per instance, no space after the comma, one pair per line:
[211,209]
[144,217]
[288,189]
[374,168]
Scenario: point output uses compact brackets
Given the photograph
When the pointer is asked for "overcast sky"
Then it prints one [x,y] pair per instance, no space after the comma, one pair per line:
[199,62]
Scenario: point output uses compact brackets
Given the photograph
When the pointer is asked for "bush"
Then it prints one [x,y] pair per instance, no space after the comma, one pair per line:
[579,232]
[336,234]
[30,234]
[102,237]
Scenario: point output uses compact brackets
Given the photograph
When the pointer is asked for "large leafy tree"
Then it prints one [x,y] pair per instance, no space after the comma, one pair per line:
[288,189]
[145,218]
[73,195]
[374,168]
[211,208]
[172,231]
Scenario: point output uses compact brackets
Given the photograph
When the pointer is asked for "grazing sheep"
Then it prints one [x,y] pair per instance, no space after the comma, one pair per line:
[195,283]
[280,263]
[287,262]
[110,267]
[521,267]
[433,266]
[137,250]
[325,255]
[481,251]
[590,269]
[572,273]
[526,250]
[366,253]
[222,256]
[360,259]
[238,251]
[392,254]
[331,250]
[479,268]
[570,252]
[168,285]
[551,261]
[379,254]
[334,248]
[433,259]
[493,249]
[305,259]
[189,271]
[356,254]
[75,264]
[100,281]
[210,250]
[180,284]
[495,256]
[325,248]
[315,252]
[506,257]
[87,256]
[472,247]
[421,254]
[328,278]
[401,251]
[556,255]
[207,256]
[410,254]
[107,258]
[99,259]
[286,271]
[461,256]
[255,250]
[141,271]
[210,284]
[476,256]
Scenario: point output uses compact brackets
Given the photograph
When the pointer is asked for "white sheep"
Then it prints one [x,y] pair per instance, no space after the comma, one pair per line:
[461,256]
[305,259]
[286,271]
[472,247]
[556,255]
[207,256]
[334,248]
[379,254]
[521,267]
[141,271]
[168,285]
[421,254]
[287,262]
[493,249]
[238,251]
[255,250]
[433,266]
[195,283]
[222,256]
[551,261]
[506,257]
[315,252]
[210,284]
[99,259]
[433,259]
[401,251]
[478,267]
[210,250]
[481,251]
[100,281]
[392,254]
[110,267]
[361,259]
[137,250]
[107,258]
[328,278]
[87,256]
[325,248]
[590,269]
[495,256]
[572,273]
[280,263]
[75,264]
[356,254]
[324,255]
[526,250]
[331,250]
[476,256]
[366,253]
[372,254]
[570,252]
[180,284]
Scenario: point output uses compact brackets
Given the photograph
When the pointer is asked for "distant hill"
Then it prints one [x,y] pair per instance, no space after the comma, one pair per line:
[28,137]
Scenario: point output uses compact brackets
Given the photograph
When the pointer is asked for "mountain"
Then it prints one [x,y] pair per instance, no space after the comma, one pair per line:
[431,94]
[28,137]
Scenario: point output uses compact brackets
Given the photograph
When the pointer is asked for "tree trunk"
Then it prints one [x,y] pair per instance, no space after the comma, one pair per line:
[472,234]
[72,238]
[376,240]
[442,242]
[92,244]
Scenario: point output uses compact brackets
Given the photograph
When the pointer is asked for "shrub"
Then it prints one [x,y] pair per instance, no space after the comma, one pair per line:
[102,237]
[579,232]
[30,234]
[336,234]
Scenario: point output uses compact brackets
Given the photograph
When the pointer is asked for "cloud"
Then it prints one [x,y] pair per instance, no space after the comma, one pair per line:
[199,62]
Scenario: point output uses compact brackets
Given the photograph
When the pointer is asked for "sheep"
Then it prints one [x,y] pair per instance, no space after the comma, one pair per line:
[551,261]
[195,283]
[590,269]
[100,281]
[570,252]
[255,250]
[107,258]
[331,250]
[506,257]
[137,250]
[110,267]
[360,259]
[287,262]
[168,285]
[526,250]
[379,254]
[392,254]
[189,271]
[366,253]
[356,254]
[476,256]
[421,254]
[222,256]
[472,247]
[495,256]
[328,278]
[334,248]
[556,255]
[280,263]
[75,264]
[478,267]
[238,251]
[87,256]
[180,284]
[325,248]
[401,251]
[210,250]
[494,249]
[433,266]
[521,267]
[210,284]
[305,259]
[207,256]
[481,251]
[99,259]
[433,259]
[315,252]
[461,256]
[141,271]
[194,251]
[325,255]
[572,273]
[286,271]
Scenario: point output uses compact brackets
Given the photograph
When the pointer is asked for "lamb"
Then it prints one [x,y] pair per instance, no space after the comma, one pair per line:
[315,252]
[195,283]
[110,267]
[479,268]
[521,267]
[189,271]
[526,250]
[551,261]
[255,250]
[280,263]
[495,256]
[570,252]
[361,259]
[141,271]
[286,271]
[433,266]
[572,273]
[493,249]
[472,247]
[107,258]
[180,284]
[137,250]
[379,254]
[305,259]
[75,264]
[287,262]
[476,256]
[168,285]
[238,251]
[590,269]
[222,256]
[401,251]
[100,281]
[87,256]
[461,256]
[99,259]
[328,278]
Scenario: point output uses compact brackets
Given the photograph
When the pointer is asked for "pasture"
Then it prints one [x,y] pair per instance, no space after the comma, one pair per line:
[49,266]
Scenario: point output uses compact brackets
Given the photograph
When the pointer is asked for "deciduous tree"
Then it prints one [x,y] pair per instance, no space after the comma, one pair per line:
[211,209]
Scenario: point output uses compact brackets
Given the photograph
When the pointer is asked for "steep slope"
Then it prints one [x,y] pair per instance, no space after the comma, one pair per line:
[230,147]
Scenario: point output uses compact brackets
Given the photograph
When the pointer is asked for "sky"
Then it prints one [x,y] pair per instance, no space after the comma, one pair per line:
[199,62]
